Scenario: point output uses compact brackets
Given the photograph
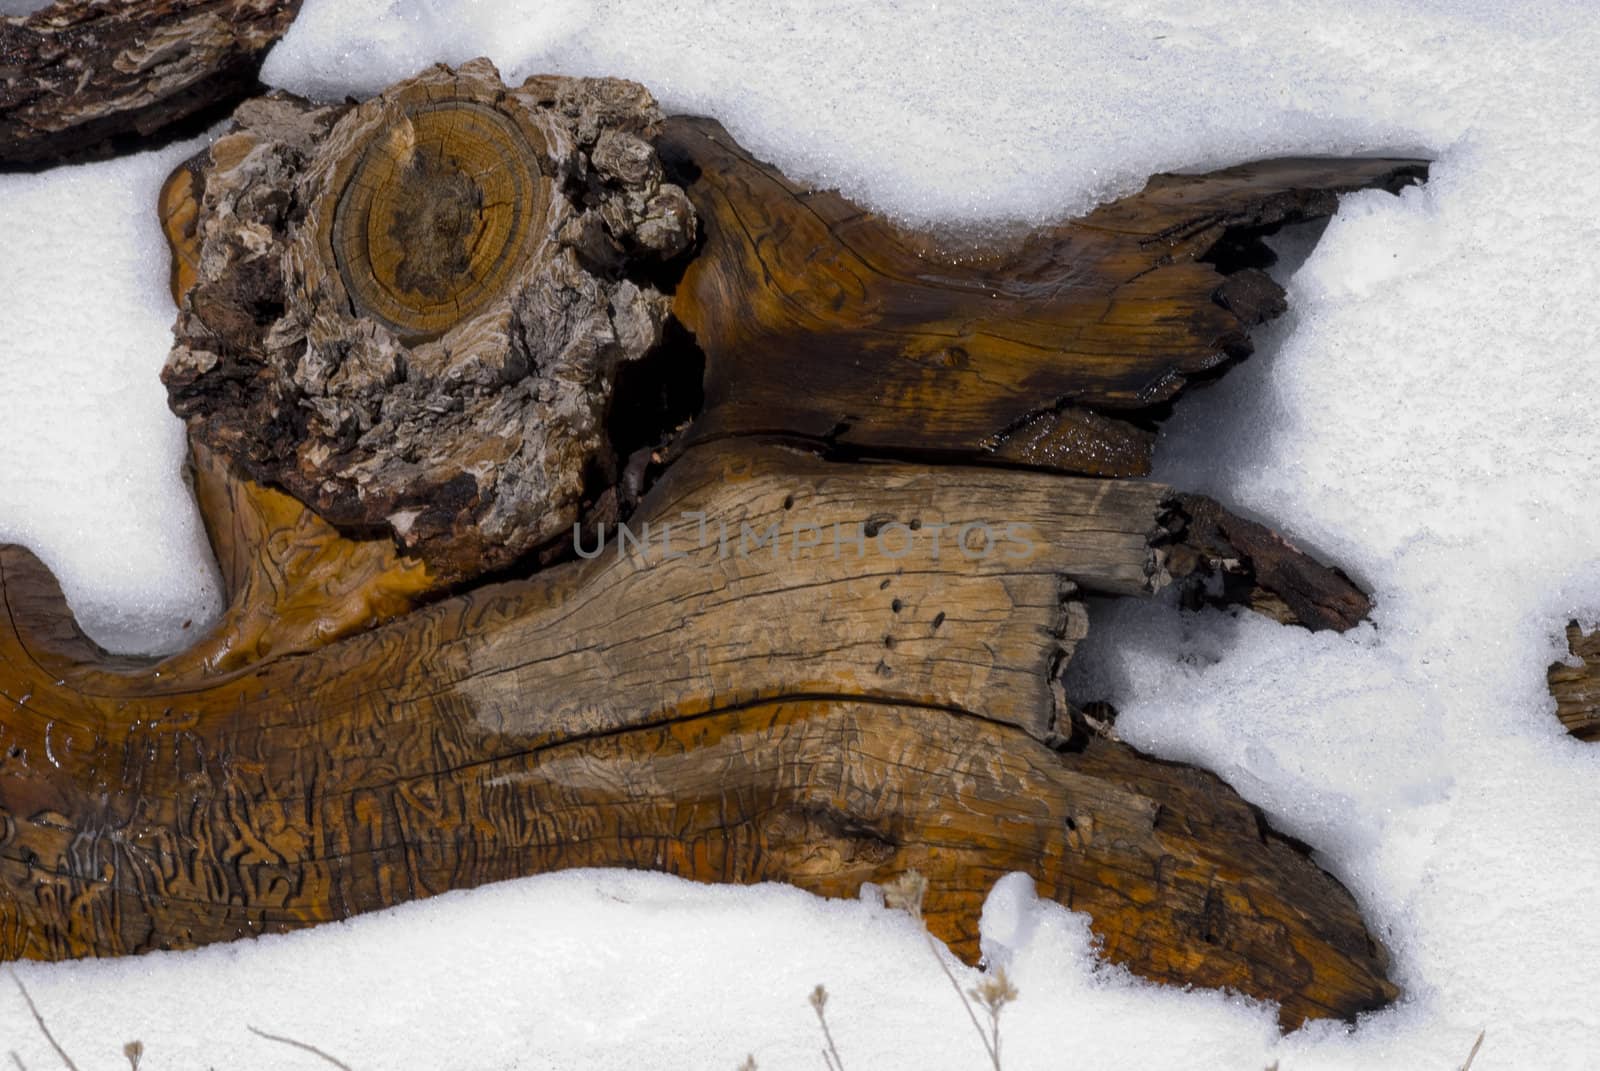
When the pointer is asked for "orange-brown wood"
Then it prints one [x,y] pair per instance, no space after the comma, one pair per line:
[726,716]
[824,320]
[293,582]
[804,669]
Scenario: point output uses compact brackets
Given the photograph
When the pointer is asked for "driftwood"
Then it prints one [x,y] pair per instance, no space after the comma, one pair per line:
[86,78]
[1576,687]
[737,715]
[810,630]
[818,319]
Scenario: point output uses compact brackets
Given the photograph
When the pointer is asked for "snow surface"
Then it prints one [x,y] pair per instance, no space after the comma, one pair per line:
[1424,415]
[91,463]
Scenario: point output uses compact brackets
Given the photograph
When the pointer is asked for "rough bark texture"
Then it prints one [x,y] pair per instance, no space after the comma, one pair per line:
[410,314]
[734,715]
[80,79]
[1576,687]
[829,648]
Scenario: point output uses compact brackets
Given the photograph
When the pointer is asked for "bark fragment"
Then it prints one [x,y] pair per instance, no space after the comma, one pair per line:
[1576,686]
[1220,558]
[81,79]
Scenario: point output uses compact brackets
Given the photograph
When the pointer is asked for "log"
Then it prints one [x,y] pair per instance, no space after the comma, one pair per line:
[816,321]
[82,79]
[805,611]
[755,716]
[1575,685]
[821,320]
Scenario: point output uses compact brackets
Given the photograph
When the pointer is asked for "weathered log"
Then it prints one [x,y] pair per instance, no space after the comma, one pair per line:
[821,320]
[813,665]
[736,714]
[86,78]
[1576,687]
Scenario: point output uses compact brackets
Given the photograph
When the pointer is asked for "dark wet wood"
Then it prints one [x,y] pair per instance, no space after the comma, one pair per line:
[823,320]
[1576,687]
[1257,568]
[86,78]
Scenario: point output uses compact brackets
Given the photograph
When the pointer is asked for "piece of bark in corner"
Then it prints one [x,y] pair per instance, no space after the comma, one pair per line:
[81,80]
[1577,688]
[1222,559]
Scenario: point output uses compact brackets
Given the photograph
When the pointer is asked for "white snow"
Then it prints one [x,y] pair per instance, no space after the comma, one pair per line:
[1425,416]
[91,463]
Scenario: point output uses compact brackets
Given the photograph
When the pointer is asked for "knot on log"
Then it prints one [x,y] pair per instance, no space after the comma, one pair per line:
[411,313]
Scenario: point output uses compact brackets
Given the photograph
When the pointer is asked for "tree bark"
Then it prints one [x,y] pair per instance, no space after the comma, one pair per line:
[81,79]
[410,314]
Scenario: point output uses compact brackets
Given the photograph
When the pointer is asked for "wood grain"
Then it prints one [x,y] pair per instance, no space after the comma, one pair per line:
[821,319]
[826,649]
[749,717]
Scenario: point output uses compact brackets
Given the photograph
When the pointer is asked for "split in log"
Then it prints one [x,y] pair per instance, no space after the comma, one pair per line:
[81,79]
[821,646]
[1576,688]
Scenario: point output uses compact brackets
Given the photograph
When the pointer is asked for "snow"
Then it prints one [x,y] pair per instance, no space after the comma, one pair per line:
[1424,416]
[91,467]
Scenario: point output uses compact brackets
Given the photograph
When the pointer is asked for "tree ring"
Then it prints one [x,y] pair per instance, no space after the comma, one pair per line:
[436,215]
